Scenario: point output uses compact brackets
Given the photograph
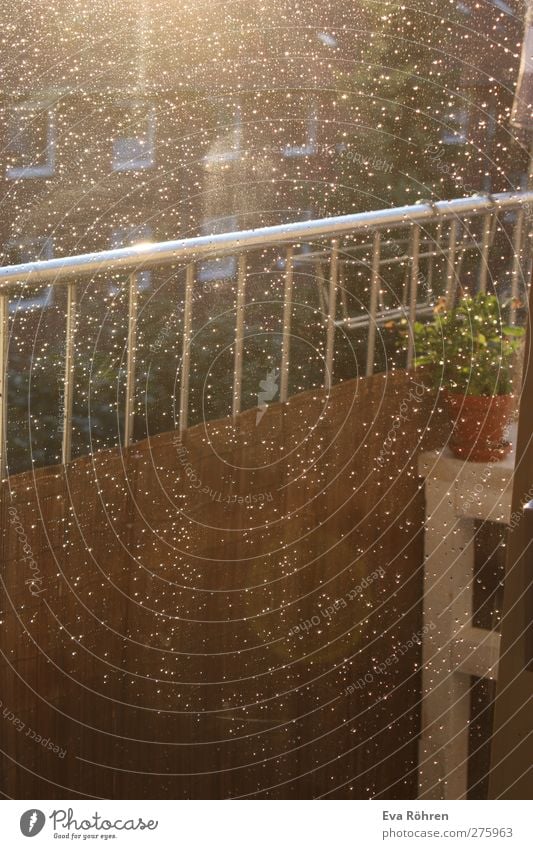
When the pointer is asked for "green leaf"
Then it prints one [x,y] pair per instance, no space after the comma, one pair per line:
[518,332]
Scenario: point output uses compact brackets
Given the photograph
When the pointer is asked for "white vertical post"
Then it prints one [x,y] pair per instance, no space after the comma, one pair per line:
[435,248]
[485,247]
[342,289]
[68,383]
[517,262]
[186,353]
[447,608]
[374,296]
[319,273]
[129,412]
[414,251]
[286,338]
[332,310]
[239,336]
[450,266]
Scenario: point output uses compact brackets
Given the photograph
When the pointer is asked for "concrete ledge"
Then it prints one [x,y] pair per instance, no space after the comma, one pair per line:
[479,490]
[476,652]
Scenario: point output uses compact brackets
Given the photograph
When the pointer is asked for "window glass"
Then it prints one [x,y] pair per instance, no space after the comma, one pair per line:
[30,141]
[133,147]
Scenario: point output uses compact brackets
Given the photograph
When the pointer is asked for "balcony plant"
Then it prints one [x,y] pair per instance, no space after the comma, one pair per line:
[471,352]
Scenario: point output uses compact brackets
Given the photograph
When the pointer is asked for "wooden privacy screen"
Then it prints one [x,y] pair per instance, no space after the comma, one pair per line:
[234,614]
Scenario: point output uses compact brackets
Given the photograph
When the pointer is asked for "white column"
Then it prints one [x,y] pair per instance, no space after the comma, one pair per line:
[457,493]
[448,578]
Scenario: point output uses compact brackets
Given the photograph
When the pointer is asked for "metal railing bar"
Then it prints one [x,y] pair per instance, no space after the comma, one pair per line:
[68,381]
[450,265]
[286,327]
[319,275]
[362,247]
[405,283]
[393,314]
[405,258]
[518,235]
[186,351]
[437,252]
[342,289]
[55,271]
[65,271]
[239,336]
[131,350]
[374,297]
[460,254]
[381,297]
[486,240]
[415,249]
[332,306]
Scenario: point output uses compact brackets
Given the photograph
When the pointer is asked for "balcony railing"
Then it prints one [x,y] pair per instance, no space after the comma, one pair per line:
[446,231]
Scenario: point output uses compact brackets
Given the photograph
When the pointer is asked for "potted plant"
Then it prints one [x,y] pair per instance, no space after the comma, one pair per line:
[471,351]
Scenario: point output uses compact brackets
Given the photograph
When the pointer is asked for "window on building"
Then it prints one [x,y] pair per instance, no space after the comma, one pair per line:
[124,237]
[33,249]
[304,135]
[455,127]
[30,141]
[226,146]
[134,144]
[221,268]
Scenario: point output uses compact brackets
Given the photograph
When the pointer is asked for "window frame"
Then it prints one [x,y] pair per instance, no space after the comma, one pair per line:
[17,172]
[461,118]
[233,154]
[120,164]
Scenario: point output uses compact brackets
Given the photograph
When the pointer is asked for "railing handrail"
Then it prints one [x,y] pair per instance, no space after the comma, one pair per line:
[58,270]
[188,252]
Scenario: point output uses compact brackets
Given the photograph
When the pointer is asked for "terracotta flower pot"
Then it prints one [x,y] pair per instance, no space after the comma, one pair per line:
[479,423]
